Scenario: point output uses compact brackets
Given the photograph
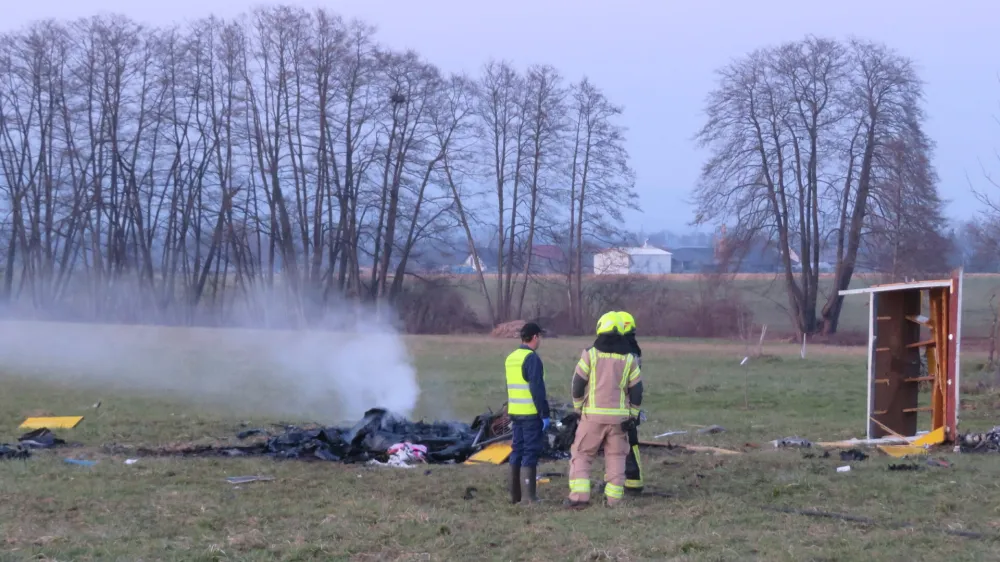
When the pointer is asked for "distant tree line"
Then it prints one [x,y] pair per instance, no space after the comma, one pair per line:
[188,174]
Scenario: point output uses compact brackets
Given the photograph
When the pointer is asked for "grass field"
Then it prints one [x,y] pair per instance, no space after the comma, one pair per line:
[717,509]
[764,294]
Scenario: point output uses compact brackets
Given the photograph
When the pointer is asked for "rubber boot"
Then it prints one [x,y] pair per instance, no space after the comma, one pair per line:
[530,478]
[633,491]
[515,484]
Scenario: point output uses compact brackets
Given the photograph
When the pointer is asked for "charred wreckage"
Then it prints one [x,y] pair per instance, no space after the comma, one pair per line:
[380,437]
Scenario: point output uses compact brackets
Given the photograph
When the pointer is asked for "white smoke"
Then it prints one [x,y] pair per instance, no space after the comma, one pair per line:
[333,375]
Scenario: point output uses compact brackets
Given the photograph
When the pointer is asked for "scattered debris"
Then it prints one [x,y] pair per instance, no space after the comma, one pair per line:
[9,452]
[791,442]
[939,462]
[669,433]
[248,479]
[470,493]
[872,522]
[131,461]
[853,455]
[250,433]
[712,429]
[904,467]
[40,438]
[988,442]
[80,462]
[825,455]
[60,422]
[374,437]
[715,450]
[844,468]
[403,455]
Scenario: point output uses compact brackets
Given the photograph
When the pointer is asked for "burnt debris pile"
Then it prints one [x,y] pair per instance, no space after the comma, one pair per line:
[36,439]
[379,431]
[988,442]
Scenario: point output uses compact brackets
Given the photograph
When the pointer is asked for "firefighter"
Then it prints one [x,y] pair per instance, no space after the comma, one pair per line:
[606,384]
[528,410]
[633,462]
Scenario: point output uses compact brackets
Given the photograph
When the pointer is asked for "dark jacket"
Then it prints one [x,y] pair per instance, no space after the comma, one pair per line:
[532,371]
[630,338]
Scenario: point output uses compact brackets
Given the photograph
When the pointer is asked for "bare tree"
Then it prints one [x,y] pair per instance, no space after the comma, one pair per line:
[179,174]
[799,135]
[602,184]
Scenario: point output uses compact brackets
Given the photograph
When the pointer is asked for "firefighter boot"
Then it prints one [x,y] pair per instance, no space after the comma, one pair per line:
[530,474]
[515,483]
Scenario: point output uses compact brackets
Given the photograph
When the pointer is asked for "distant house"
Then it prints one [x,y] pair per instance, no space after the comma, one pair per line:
[487,261]
[546,259]
[693,260]
[644,260]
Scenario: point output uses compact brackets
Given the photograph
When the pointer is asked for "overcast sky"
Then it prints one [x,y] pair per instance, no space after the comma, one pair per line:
[657,57]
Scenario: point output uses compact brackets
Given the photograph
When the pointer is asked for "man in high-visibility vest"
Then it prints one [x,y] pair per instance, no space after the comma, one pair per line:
[607,383]
[528,410]
[633,462]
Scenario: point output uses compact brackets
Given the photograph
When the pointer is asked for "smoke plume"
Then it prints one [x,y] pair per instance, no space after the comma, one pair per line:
[354,360]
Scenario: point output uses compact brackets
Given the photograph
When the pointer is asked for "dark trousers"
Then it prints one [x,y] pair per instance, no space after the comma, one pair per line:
[633,463]
[529,440]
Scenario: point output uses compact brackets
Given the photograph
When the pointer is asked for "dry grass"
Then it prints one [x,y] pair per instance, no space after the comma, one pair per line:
[182,509]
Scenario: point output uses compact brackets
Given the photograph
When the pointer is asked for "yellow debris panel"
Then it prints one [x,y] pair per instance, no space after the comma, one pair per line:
[935,437]
[902,450]
[61,422]
[495,453]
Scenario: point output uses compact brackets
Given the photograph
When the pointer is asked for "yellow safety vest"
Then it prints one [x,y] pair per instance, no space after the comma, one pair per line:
[519,400]
[623,409]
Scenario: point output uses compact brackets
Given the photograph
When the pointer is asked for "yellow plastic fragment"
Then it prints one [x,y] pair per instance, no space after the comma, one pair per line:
[60,422]
[495,453]
[899,451]
[935,437]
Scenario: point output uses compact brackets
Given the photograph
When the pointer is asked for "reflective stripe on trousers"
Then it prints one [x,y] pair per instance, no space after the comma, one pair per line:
[579,486]
[614,491]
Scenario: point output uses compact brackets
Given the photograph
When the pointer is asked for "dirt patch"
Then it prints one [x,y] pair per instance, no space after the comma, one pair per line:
[510,329]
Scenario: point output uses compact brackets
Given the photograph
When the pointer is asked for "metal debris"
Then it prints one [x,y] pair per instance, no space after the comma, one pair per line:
[792,442]
[988,442]
[712,429]
[12,452]
[248,479]
[853,455]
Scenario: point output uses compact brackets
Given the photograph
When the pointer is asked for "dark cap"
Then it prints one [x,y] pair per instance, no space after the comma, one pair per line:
[530,330]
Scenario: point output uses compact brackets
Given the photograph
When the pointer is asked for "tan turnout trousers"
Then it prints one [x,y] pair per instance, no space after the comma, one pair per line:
[590,436]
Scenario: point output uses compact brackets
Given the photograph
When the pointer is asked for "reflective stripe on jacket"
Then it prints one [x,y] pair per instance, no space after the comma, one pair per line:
[608,376]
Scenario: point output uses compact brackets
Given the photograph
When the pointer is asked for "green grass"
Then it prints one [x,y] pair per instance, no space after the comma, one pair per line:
[182,509]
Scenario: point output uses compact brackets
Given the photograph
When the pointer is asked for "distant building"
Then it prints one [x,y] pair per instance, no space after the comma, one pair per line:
[693,260]
[645,260]
[546,259]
